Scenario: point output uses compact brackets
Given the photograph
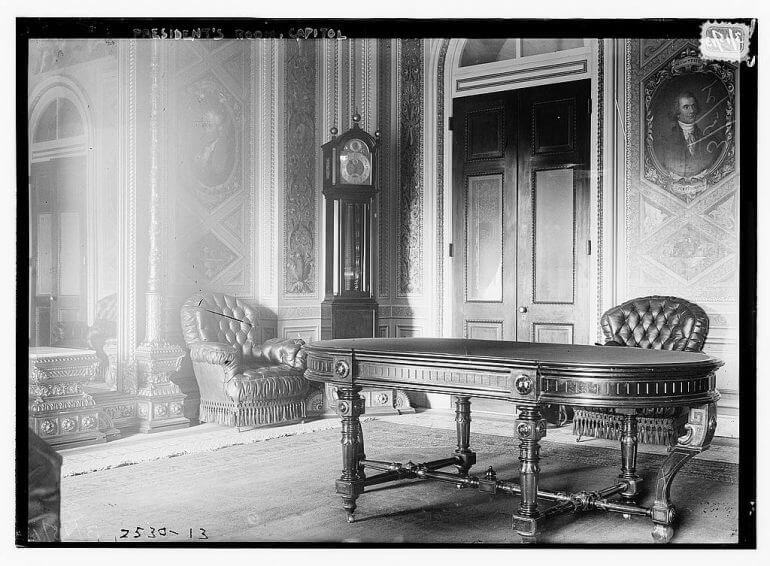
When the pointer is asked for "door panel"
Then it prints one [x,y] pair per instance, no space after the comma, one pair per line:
[520,221]
[553,254]
[484,238]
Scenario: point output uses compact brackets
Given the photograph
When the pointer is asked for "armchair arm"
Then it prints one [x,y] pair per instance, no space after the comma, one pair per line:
[217,353]
[287,351]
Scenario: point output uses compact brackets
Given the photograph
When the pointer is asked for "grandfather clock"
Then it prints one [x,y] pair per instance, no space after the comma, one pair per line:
[349,310]
[349,172]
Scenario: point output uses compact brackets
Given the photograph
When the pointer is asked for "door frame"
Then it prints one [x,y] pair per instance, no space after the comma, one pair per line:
[59,86]
[443,56]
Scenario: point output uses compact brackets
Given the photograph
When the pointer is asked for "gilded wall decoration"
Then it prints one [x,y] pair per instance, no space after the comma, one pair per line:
[689,111]
[411,189]
[301,148]
[211,148]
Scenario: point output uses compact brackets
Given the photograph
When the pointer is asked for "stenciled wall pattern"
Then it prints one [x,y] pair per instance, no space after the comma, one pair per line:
[411,189]
[301,152]
[681,194]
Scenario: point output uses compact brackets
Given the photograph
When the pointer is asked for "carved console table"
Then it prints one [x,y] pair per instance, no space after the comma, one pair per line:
[60,411]
[529,375]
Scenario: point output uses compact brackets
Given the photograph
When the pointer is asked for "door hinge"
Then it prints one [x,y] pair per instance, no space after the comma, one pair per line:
[451,123]
[588,247]
[451,250]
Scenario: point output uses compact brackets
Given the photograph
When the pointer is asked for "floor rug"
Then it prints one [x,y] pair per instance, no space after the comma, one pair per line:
[282,490]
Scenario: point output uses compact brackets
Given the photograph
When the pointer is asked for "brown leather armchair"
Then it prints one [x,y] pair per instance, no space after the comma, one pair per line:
[659,323]
[243,382]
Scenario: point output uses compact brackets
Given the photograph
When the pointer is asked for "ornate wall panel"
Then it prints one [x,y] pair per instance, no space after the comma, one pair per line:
[410,263]
[300,194]
[681,198]
[681,226]
[211,148]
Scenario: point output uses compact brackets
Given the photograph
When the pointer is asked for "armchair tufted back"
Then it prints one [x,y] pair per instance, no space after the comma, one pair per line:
[215,317]
[660,323]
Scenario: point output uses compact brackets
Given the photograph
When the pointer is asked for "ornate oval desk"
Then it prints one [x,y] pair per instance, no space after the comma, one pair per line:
[529,375]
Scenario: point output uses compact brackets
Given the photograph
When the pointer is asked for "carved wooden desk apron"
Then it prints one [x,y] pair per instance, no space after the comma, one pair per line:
[529,375]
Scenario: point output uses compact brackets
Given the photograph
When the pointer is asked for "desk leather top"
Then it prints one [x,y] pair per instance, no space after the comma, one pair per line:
[544,354]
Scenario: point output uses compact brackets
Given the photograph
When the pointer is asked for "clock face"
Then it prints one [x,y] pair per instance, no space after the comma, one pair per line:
[355,163]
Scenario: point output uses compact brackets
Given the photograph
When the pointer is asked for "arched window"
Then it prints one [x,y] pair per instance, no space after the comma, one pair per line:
[60,119]
[480,51]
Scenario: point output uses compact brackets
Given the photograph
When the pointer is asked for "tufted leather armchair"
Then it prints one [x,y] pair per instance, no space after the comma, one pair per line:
[658,323]
[244,382]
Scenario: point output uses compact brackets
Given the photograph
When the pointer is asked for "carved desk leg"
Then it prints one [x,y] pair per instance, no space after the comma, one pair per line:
[700,427]
[628,449]
[466,456]
[350,406]
[530,428]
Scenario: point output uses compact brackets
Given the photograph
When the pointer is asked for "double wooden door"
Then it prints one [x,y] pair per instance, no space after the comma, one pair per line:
[521,174]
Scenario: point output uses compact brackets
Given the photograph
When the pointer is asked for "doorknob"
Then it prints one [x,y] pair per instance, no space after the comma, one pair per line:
[51,298]
[522,309]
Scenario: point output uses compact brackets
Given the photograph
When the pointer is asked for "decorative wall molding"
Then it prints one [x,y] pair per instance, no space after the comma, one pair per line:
[599,261]
[526,76]
[441,121]
[127,338]
[300,199]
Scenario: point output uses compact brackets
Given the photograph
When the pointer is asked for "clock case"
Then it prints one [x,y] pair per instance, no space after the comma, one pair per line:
[349,308]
